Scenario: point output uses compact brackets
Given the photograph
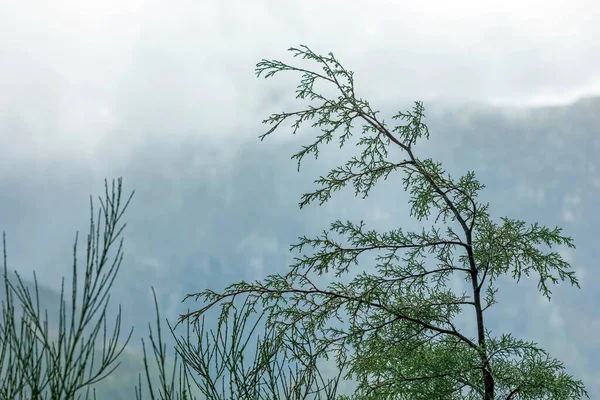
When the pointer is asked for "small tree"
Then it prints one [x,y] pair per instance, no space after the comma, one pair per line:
[402,334]
[37,366]
[218,359]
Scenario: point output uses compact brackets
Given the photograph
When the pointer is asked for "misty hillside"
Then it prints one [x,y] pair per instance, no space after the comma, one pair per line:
[190,230]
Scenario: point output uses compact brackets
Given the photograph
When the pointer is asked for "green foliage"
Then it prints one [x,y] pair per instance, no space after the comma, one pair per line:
[402,339]
[32,365]
[402,330]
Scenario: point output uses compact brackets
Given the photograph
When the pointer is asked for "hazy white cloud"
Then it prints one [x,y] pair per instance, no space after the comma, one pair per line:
[568,216]
[572,199]
[84,79]
[257,264]
[570,207]
[555,317]
[255,243]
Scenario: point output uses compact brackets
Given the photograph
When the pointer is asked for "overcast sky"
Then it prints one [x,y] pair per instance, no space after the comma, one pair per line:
[79,70]
[165,95]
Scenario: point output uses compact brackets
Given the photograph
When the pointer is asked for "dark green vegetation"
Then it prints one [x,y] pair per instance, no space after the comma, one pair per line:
[402,339]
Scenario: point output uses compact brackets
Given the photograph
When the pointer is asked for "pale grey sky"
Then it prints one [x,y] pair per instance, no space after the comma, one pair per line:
[77,72]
